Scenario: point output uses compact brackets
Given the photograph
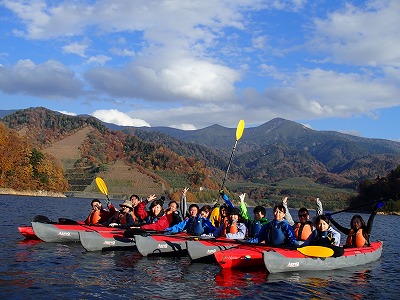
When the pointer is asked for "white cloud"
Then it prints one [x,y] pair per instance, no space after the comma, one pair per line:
[98,60]
[184,126]
[119,118]
[122,52]
[76,48]
[50,79]
[178,79]
[67,113]
[366,36]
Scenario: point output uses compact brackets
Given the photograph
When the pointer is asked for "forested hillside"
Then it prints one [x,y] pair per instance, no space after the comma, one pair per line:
[23,167]
[102,147]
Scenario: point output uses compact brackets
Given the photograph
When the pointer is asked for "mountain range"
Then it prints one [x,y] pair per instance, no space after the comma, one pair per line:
[280,149]
[274,151]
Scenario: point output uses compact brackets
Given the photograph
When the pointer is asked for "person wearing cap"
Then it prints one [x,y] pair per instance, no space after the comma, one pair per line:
[278,232]
[232,228]
[122,218]
[98,214]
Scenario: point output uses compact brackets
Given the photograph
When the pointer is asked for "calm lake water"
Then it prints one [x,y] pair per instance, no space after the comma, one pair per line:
[38,270]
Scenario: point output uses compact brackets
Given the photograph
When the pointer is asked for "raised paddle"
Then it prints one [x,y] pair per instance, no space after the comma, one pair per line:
[103,188]
[365,204]
[316,251]
[239,133]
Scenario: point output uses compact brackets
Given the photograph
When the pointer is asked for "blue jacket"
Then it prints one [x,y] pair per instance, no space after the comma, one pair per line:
[323,238]
[189,224]
[276,233]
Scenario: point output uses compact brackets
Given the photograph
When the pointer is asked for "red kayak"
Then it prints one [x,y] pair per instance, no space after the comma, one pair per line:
[27,232]
[242,256]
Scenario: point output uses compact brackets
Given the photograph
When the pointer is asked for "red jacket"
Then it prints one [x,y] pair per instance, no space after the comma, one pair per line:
[161,224]
[141,212]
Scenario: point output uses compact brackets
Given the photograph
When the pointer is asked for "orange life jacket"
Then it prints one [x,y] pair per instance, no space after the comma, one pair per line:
[356,239]
[120,218]
[302,231]
[229,228]
[93,217]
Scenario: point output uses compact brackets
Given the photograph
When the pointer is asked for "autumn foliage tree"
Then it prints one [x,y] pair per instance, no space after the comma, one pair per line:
[26,168]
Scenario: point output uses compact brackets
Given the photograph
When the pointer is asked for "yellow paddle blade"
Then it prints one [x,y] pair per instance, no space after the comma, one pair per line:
[101,185]
[214,215]
[239,129]
[316,251]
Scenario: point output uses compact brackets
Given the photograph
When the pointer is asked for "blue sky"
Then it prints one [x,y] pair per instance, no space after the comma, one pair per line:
[331,65]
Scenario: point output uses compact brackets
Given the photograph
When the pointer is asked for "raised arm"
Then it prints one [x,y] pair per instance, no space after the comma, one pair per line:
[372,216]
[288,216]
[183,205]
[319,210]
[243,208]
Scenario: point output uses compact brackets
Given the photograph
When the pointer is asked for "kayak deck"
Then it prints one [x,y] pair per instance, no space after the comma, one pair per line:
[56,233]
[159,244]
[242,256]
[105,240]
[284,260]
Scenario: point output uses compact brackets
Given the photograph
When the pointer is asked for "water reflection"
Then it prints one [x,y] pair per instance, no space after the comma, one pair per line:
[234,282]
[35,270]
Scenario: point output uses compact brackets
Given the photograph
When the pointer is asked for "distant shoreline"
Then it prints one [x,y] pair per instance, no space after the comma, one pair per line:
[8,191]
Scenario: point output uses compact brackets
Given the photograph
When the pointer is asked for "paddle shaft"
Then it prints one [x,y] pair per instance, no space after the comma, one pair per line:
[239,132]
[229,165]
[358,206]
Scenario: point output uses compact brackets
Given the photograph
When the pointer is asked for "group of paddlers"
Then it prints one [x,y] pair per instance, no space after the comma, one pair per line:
[233,222]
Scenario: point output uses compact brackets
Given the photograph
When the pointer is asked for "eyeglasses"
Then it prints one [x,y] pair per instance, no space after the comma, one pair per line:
[123,206]
[303,216]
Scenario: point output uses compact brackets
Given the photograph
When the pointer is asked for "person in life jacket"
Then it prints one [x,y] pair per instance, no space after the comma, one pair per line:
[303,227]
[253,225]
[232,228]
[324,235]
[358,234]
[173,213]
[98,214]
[277,232]
[122,218]
[187,225]
[222,211]
[157,219]
[139,209]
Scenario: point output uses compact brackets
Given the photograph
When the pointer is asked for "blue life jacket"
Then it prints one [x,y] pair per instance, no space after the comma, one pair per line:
[325,238]
[254,228]
[197,228]
[276,236]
